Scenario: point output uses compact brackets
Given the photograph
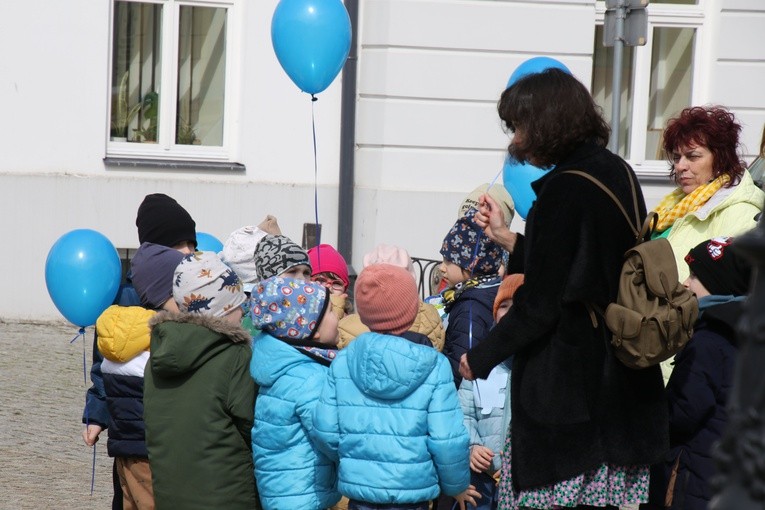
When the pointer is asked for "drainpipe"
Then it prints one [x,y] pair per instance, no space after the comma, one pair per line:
[348,140]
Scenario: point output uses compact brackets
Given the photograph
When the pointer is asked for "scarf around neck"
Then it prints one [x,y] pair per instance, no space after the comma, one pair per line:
[677,204]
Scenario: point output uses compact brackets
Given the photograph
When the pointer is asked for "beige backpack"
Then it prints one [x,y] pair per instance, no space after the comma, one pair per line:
[653,316]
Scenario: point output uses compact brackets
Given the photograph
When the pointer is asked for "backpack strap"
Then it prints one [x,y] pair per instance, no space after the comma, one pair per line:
[633,225]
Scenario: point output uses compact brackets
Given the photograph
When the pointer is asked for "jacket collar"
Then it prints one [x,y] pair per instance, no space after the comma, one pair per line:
[583,151]
[234,332]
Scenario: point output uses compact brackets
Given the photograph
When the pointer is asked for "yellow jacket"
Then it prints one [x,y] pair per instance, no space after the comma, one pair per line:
[427,322]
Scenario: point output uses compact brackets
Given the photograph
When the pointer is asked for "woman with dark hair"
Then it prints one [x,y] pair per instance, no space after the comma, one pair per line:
[715,196]
[585,428]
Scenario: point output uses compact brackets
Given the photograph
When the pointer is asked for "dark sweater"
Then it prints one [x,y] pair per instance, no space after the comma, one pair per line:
[574,405]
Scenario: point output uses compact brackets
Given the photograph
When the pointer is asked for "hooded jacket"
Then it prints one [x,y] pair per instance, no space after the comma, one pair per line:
[698,394]
[198,402]
[290,471]
[123,340]
[389,413]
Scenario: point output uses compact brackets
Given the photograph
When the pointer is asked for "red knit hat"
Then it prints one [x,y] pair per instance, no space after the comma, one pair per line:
[507,290]
[386,298]
[325,259]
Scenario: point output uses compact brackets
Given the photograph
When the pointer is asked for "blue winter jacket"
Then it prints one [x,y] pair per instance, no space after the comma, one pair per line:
[475,305]
[289,470]
[389,413]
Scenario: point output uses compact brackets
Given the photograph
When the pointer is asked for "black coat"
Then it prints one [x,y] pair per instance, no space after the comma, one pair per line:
[574,405]
[698,394]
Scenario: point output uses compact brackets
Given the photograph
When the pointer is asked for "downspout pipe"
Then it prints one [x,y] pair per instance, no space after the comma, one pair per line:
[348,140]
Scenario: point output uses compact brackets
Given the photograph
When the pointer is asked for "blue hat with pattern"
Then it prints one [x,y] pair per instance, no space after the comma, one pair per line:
[459,247]
[203,284]
[288,308]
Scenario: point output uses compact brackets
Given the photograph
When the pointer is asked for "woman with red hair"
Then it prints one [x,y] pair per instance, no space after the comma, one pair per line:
[715,196]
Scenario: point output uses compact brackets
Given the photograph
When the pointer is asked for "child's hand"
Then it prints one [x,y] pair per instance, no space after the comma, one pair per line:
[480,458]
[465,370]
[470,495]
[90,434]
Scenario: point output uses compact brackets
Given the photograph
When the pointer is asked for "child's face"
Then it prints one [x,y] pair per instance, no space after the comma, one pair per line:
[333,283]
[327,333]
[453,273]
[504,306]
[301,271]
[234,316]
[693,284]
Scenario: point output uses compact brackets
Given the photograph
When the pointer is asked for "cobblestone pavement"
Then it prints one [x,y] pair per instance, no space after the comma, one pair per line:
[44,463]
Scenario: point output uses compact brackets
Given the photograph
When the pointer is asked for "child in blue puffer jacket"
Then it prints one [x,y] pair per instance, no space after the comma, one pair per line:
[290,360]
[486,406]
[389,411]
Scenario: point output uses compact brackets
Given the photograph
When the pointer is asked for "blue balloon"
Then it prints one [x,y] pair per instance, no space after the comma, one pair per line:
[311,39]
[208,242]
[83,274]
[535,65]
[517,178]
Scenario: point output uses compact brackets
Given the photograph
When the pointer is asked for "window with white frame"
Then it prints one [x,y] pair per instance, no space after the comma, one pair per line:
[657,80]
[171,79]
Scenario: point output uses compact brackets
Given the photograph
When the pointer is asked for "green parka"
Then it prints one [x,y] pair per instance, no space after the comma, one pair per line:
[198,409]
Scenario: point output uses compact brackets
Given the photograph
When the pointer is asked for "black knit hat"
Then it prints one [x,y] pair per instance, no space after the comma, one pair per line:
[720,269]
[162,220]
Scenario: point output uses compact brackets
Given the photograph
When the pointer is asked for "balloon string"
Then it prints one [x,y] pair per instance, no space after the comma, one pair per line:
[81,333]
[315,173]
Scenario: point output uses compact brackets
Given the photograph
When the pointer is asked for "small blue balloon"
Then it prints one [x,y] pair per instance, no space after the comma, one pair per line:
[517,178]
[535,65]
[82,274]
[311,39]
[208,242]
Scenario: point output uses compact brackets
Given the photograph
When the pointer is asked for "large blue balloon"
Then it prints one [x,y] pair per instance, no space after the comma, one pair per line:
[311,39]
[535,65]
[517,178]
[83,274]
[208,242]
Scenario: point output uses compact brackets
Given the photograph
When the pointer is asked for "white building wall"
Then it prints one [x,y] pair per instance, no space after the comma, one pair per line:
[430,72]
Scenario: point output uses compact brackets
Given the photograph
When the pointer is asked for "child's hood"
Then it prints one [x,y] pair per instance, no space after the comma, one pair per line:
[123,332]
[183,342]
[272,358]
[389,367]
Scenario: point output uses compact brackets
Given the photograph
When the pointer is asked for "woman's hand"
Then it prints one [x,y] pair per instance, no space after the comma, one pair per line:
[465,370]
[480,458]
[491,219]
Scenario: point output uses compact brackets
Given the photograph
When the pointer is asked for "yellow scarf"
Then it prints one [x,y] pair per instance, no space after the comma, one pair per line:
[677,204]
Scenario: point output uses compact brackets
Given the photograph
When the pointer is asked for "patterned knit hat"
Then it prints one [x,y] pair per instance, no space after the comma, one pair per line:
[161,220]
[288,308]
[204,284]
[498,193]
[325,259]
[239,254]
[152,268]
[386,298]
[459,247]
[389,254]
[507,290]
[719,268]
[277,254]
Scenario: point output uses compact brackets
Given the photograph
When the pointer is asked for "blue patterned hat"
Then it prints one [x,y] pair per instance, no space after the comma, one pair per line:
[288,308]
[459,247]
[203,284]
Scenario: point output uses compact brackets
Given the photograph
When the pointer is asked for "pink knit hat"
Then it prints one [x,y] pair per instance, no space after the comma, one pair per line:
[389,254]
[386,298]
[325,259]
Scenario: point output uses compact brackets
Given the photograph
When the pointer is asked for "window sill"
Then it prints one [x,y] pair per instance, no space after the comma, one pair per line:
[170,164]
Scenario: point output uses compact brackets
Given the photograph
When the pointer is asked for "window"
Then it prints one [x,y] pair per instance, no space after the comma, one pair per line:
[171,79]
[656,79]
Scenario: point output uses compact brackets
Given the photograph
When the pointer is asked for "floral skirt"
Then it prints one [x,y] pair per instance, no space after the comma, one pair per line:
[606,485]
